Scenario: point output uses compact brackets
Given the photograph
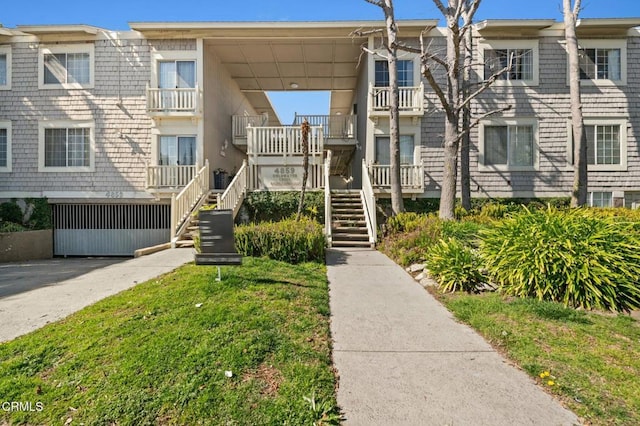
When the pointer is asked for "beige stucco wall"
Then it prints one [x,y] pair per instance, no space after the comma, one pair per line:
[222,100]
[22,246]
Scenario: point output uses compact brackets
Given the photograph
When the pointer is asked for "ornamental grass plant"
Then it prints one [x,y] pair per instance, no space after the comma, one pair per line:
[576,257]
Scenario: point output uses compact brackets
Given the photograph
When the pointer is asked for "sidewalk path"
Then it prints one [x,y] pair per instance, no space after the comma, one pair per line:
[402,359]
[24,312]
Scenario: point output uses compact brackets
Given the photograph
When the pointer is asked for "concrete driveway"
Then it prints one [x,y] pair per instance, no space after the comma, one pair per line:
[21,277]
[33,294]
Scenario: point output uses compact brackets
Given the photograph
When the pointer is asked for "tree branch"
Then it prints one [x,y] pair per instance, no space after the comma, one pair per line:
[426,71]
[477,121]
[487,83]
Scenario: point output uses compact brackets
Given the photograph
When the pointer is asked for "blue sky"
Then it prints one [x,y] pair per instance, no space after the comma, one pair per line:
[115,15]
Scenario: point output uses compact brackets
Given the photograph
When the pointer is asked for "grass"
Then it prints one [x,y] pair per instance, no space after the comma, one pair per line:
[154,355]
[591,359]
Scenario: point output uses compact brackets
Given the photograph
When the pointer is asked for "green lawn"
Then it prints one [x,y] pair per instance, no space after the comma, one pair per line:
[154,355]
[590,360]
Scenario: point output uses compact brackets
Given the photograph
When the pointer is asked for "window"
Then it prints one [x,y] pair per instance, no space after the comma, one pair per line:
[598,64]
[176,74]
[509,144]
[521,61]
[601,199]
[602,62]
[5,67]
[405,73]
[603,144]
[177,151]
[606,143]
[498,54]
[407,146]
[5,146]
[67,67]
[66,146]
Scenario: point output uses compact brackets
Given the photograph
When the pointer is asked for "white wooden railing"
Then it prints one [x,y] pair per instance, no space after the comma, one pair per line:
[159,177]
[173,100]
[239,123]
[233,196]
[183,203]
[410,98]
[327,198]
[411,176]
[369,200]
[284,141]
[333,126]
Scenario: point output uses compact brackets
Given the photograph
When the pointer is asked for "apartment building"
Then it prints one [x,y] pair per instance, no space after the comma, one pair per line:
[126,132]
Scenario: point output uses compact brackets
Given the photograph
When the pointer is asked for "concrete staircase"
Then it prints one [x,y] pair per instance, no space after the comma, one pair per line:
[186,239]
[348,221]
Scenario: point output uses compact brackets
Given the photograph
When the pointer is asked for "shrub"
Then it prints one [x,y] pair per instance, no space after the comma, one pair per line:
[572,257]
[11,212]
[465,231]
[40,214]
[264,206]
[409,237]
[455,266]
[289,240]
[11,227]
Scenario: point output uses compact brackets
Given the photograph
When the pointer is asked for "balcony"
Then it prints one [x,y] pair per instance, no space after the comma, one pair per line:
[169,178]
[341,127]
[173,102]
[239,124]
[411,100]
[411,178]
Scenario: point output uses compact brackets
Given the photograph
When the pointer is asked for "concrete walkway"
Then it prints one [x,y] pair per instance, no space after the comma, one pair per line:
[403,360]
[81,284]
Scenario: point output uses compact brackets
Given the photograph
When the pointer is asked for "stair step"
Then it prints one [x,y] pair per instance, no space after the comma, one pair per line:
[347,216]
[350,237]
[348,222]
[347,210]
[350,244]
[349,230]
[184,243]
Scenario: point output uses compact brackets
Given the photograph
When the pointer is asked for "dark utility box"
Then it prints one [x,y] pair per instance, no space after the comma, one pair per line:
[216,239]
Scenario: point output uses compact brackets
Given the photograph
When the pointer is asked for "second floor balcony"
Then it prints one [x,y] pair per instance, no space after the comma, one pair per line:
[173,102]
[411,100]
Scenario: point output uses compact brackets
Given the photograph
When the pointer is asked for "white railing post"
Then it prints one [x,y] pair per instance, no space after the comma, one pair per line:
[327,198]
[233,196]
[369,199]
[174,220]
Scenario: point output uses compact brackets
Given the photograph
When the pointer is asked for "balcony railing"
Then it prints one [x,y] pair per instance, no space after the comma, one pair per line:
[411,176]
[284,141]
[239,124]
[411,99]
[185,101]
[333,126]
[168,177]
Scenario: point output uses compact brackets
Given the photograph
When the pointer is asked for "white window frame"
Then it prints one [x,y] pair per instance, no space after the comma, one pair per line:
[6,50]
[592,193]
[176,136]
[402,56]
[66,124]
[511,44]
[67,48]
[408,128]
[6,124]
[516,121]
[605,44]
[173,55]
[591,121]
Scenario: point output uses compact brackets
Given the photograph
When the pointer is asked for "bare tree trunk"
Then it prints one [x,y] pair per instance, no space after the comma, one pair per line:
[579,191]
[397,203]
[465,168]
[452,119]
[305,164]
